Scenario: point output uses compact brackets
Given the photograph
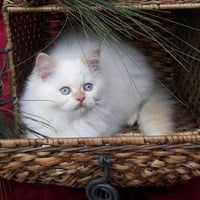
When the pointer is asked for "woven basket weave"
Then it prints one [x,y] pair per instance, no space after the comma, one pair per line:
[135,160]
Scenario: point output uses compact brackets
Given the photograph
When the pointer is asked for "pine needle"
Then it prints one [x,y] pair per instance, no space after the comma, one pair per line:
[106,18]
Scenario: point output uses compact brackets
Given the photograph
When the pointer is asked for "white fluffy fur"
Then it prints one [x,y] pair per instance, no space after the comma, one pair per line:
[123,91]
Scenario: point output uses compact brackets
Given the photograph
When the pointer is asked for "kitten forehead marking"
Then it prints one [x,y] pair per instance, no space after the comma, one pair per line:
[78,95]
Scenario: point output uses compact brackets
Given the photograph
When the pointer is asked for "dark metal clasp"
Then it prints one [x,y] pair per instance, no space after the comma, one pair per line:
[98,189]
[4,51]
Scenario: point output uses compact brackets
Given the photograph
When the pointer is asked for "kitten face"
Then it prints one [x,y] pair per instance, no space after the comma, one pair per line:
[70,85]
[77,88]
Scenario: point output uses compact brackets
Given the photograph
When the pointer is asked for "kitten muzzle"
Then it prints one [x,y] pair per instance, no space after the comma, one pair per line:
[80,99]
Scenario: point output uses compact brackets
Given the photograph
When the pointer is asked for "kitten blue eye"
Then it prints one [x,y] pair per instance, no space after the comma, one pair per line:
[88,87]
[65,90]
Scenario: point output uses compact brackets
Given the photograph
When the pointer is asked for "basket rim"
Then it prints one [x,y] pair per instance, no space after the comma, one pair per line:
[184,139]
[10,7]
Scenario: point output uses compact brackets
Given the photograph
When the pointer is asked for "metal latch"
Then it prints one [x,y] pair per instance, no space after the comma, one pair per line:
[98,189]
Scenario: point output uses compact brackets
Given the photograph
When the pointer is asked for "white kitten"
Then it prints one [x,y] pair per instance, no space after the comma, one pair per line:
[85,87]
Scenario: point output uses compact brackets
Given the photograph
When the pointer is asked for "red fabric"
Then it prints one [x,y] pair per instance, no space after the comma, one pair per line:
[23,191]
[6,87]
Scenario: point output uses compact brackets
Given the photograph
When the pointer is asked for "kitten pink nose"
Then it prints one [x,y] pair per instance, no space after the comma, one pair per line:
[80,99]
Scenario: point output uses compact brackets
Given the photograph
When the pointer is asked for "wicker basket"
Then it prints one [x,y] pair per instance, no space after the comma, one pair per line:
[134,160]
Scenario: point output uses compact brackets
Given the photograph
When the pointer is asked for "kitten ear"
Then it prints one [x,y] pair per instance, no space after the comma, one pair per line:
[44,65]
[93,58]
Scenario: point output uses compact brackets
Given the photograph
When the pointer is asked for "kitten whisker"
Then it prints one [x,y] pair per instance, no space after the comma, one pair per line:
[35,118]
[38,100]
